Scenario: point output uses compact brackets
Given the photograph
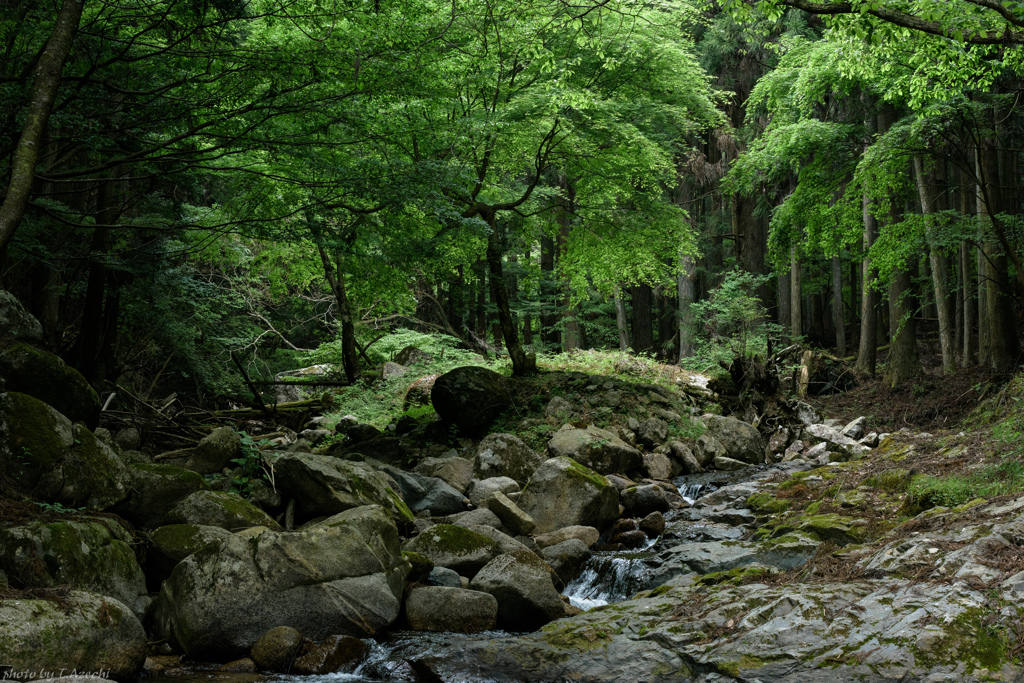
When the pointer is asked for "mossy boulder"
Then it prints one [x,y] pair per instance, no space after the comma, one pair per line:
[522,584]
[562,493]
[596,448]
[277,648]
[172,543]
[440,608]
[155,488]
[92,555]
[344,575]
[88,632]
[455,547]
[836,528]
[505,455]
[470,397]
[45,376]
[17,324]
[216,451]
[220,508]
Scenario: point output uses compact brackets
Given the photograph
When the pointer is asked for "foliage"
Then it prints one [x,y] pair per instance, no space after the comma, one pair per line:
[251,467]
[733,321]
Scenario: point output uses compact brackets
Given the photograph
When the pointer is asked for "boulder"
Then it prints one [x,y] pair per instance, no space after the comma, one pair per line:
[128,439]
[653,524]
[43,375]
[422,493]
[322,485]
[596,448]
[334,654]
[658,466]
[17,324]
[567,558]
[172,543]
[277,648]
[741,440]
[342,576]
[386,449]
[588,534]
[418,393]
[504,455]
[562,492]
[837,443]
[411,355]
[92,555]
[640,501]
[558,407]
[219,508]
[806,414]
[511,515]
[442,576]
[457,472]
[483,489]
[216,451]
[690,463]
[522,584]
[728,464]
[478,517]
[707,449]
[506,543]
[392,370]
[470,397]
[653,432]
[155,489]
[85,632]
[439,608]
[455,547]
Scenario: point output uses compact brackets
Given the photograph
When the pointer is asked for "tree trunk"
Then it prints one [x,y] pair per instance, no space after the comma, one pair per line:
[795,307]
[969,297]
[46,81]
[837,305]
[643,339]
[336,279]
[481,300]
[867,349]
[903,363]
[687,297]
[620,319]
[548,292]
[522,364]
[939,266]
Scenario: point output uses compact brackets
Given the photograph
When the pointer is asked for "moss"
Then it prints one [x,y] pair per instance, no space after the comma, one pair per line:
[400,507]
[33,439]
[728,668]
[732,577]
[831,527]
[569,636]
[659,591]
[813,508]
[766,503]
[456,540]
[751,662]
[895,480]
[587,475]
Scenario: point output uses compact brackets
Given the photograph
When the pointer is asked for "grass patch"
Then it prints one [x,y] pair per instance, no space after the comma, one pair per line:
[1002,478]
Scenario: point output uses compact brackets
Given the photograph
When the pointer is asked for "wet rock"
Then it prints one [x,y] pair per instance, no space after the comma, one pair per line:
[423,493]
[455,547]
[562,492]
[632,539]
[154,490]
[567,558]
[741,440]
[596,448]
[275,649]
[439,608]
[728,464]
[334,654]
[640,501]
[457,472]
[522,584]
[217,508]
[653,524]
[216,451]
[46,377]
[470,397]
[505,455]
[239,666]
[588,534]
[481,490]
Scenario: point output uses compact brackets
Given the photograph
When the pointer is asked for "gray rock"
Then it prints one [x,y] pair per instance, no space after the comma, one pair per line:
[216,451]
[506,543]
[741,440]
[129,438]
[172,543]
[276,649]
[562,492]
[870,440]
[598,449]
[334,654]
[511,515]
[653,432]
[707,449]
[588,534]
[728,464]
[807,415]
[522,584]
[478,517]
[392,371]
[640,501]
[442,576]
[837,443]
[438,608]
[855,429]
[483,489]
[342,576]
[218,508]
[455,547]
[567,558]
[155,489]
[17,324]
[658,465]
[470,397]
[505,455]
[422,493]
[558,407]
[45,376]
[457,472]
[690,463]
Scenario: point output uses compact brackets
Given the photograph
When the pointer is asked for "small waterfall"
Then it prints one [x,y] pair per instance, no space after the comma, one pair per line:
[691,492]
[608,578]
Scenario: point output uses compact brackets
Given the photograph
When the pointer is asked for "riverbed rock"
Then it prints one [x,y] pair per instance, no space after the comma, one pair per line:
[563,492]
[653,432]
[154,490]
[483,489]
[567,558]
[438,608]
[277,648]
[45,376]
[807,415]
[558,407]
[596,448]
[422,493]
[93,555]
[657,466]
[522,584]
[457,472]
[511,515]
[477,517]
[505,455]
[215,451]
[506,543]
[728,464]
[219,508]
[706,449]
[455,547]
[686,458]
[17,324]
[640,501]
[322,485]
[588,534]
[470,397]
[341,576]
[172,543]
[88,633]
[837,443]
[741,440]
[333,654]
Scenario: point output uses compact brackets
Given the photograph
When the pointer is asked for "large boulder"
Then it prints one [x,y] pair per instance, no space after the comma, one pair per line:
[84,632]
[598,449]
[567,558]
[438,608]
[219,508]
[418,393]
[52,460]
[505,455]
[742,441]
[640,501]
[277,649]
[522,584]
[562,492]
[322,485]
[172,543]
[455,547]
[343,576]
[155,488]
[457,472]
[45,376]
[92,555]
[422,493]
[470,397]
[216,451]
[483,489]
[17,324]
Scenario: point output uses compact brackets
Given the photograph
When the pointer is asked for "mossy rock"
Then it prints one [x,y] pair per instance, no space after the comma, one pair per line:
[46,377]
[455,547]
[155,489]
[172,543]
[766,503]
[221,509]
[836,528]
[421,566]
[896,480]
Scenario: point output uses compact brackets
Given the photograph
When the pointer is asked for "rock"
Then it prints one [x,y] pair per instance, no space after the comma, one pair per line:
[871,440]
[482,490]
[707,449]
[640,501]
[341,576]
[728,464]
[275,649]
[478,517]
[17,324]
[588,534]
[836,441]
[511,515]
[88,632]
[411,355]
[129,438]
[172,543]
[421,566]
[794,450]
[558,407]
[779,439]
[457,472]
[653,432]
[422,493]
[455,547]
[470,397]
[562,492]
[360,432]
[855,429]
[521,583]
[567,558]
[505,455]
[263,495]
[506,543]
[631,539]
[836,528]
[92,555]
[392,371]
[239,666]
[440,608]
[44,376]
[442,576]
[598,449]
[741,440]
[658,466]
[154,491]
[418,393]
[390,450]
[322,485]
[690,463]
[806,414]
[216,451]
[219,508]
[334,654]
[653,524]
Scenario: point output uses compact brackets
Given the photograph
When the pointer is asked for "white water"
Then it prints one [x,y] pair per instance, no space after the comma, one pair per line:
[607,579]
